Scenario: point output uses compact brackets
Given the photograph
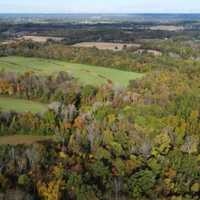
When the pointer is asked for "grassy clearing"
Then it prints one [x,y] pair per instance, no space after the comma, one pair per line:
[20,105]
[86,74]
[22,139]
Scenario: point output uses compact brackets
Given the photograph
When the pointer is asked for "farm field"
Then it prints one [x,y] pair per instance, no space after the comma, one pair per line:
[86,74]
[22,139]
[167,28]
[20,105]
[41,39]
[106,45]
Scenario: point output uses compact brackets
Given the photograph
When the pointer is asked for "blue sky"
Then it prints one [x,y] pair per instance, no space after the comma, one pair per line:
[99,6]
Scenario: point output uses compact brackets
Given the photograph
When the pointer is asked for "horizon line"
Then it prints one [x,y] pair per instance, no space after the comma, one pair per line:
[109,13]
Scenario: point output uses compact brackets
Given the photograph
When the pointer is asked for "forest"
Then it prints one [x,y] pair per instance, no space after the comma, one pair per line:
[108,141]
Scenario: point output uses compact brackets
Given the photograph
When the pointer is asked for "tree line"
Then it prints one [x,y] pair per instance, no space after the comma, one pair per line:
[140,142]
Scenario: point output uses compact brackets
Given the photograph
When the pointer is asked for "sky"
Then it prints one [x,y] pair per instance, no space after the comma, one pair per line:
[99,6]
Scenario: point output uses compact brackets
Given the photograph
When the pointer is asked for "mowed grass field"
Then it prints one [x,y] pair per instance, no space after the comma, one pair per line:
[20,105]
[86,74]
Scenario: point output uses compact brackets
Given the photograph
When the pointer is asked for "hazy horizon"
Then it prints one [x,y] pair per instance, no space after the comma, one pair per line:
[93,13]
[100,6]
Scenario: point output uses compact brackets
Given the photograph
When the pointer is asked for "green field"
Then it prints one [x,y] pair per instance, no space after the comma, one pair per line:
[20,105]
[86,74]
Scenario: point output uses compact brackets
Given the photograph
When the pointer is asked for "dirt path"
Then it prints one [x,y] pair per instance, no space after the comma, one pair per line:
[23,139]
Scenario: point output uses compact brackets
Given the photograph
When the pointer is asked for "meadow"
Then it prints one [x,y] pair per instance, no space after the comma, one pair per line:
[86,74]
[21,105]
